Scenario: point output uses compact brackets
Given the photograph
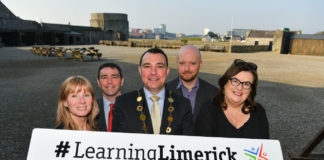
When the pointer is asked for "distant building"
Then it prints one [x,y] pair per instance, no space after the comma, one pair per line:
[281,41]
[238,33]
[148,31]
[307,44]
[138,33]
[148,34]
[206,30]
[237,39]
[159,36]
[115,25]
[163,29]
[180,35]
[294,42]
[157,31]
[160,32]
[131,30]
[211,36]
[104,26]
[170,35]
[259,37]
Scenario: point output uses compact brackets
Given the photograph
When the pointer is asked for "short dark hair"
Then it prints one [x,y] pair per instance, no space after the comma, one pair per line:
[237,66]
[155,51]
[110,65]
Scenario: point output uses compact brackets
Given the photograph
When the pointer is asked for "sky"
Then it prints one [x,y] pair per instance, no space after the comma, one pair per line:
[181,16]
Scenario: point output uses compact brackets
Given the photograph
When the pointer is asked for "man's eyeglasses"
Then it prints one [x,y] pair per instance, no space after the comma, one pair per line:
[245,85]
[240,62]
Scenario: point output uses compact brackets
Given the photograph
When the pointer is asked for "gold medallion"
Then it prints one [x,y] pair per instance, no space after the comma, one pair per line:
[170,118]
[170,99]
[168,130]
[139,108]
[142,117]
[139,98]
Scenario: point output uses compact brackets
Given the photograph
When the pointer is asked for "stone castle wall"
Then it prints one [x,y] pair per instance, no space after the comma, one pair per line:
[18,32]
[17,24]
[277,41]
[249,48]
[281,41]
[261,41]
[114,24]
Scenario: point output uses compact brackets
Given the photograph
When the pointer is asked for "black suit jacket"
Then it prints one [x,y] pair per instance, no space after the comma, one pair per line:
[206,92]
[127,118]
[101,120]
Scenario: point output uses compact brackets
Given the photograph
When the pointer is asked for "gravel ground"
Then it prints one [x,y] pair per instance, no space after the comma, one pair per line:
[291,88]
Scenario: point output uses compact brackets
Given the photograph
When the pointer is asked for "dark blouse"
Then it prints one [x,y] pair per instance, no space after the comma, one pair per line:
[212,122]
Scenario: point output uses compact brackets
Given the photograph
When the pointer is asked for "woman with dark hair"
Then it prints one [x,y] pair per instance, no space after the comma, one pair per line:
[233,112]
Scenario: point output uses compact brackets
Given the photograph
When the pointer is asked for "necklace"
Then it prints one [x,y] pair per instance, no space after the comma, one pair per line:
[143,117]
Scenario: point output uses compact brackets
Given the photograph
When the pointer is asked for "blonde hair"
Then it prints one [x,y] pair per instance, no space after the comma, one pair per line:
[70,85]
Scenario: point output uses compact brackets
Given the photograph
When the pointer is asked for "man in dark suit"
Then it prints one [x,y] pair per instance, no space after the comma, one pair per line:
[188,84]
[110,80]
[153,109]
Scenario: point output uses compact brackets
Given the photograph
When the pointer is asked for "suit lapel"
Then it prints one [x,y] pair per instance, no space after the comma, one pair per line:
[177,90]
[164,119]
[199,97]
[146,112]
[102,119]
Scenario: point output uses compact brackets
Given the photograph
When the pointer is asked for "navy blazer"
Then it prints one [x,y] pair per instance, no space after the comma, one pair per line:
[127,119]
[206,92]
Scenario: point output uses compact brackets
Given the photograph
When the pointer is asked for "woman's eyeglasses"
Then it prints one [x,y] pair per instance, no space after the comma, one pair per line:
[245,85]
[240,62]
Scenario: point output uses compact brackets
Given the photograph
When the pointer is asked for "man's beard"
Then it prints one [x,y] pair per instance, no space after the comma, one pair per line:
[188,79]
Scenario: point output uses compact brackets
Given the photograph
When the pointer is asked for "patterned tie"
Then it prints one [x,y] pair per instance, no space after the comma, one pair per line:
[155,115]
[110,117]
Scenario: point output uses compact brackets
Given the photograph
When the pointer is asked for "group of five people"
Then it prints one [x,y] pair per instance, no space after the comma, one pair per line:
[187,105]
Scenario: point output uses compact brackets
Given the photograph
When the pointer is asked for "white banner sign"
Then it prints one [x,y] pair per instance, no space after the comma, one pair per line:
[52,144]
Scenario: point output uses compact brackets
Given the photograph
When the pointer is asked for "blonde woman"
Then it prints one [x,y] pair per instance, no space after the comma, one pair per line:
[77,105]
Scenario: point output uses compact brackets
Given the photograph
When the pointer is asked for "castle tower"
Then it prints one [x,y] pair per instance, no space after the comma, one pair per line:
[114,24]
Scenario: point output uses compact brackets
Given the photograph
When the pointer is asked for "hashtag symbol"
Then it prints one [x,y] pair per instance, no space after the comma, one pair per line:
[62,149]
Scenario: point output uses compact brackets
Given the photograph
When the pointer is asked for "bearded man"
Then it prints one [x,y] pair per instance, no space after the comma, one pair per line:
[188,84]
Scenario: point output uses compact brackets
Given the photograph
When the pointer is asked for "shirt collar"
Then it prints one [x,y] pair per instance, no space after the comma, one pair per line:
[148,94]
[106,101]
[180,84]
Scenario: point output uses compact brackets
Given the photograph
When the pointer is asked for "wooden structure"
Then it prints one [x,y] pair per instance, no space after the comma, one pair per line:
[305,154]
[307,44]
[94,52]
[60,52]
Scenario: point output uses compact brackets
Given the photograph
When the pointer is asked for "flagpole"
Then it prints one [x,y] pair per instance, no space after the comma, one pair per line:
[230,47]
